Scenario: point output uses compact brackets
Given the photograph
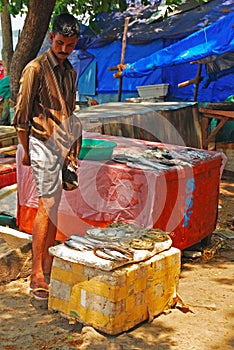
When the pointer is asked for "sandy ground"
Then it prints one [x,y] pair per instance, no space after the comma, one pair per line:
[206,286]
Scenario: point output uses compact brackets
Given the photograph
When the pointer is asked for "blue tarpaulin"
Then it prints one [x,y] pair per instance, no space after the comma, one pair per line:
[213,40]
[147,37]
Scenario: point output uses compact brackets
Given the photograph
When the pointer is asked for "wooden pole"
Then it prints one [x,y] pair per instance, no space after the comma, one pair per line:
[123,55]
[198,80]
[195,81]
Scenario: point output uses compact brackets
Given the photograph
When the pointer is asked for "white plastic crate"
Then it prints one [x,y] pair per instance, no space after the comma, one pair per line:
[153,91]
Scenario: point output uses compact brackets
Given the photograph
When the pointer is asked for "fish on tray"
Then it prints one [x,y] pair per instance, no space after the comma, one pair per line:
[113,252]
[140,162]
[108,234]
[74,244]
[101,249]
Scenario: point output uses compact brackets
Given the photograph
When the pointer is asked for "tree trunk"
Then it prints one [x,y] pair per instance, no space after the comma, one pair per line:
[7,42]
[32,36]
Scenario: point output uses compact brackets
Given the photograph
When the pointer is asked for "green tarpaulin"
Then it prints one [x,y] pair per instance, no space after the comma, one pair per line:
[5,87]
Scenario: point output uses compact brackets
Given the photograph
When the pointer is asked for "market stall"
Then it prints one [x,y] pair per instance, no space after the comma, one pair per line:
[180,197]
[8,144]
[177,123]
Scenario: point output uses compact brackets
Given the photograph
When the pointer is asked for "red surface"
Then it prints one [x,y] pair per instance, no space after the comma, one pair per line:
[7,175]
[199,204]
[1,72]
[182,200]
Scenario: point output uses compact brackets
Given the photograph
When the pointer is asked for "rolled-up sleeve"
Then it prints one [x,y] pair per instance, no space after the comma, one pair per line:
[29,84]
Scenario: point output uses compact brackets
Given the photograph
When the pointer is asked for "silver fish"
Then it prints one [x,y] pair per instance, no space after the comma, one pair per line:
[83,240]
[75,245]
[113,252]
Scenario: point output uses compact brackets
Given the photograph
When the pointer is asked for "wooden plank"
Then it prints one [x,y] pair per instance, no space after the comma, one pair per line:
[119,126]
[213,113]
[197,125]
[205,125]
[215,131]
[207,114]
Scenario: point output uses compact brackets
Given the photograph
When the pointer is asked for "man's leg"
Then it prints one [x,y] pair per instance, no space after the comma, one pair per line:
[44,232]
[50,240]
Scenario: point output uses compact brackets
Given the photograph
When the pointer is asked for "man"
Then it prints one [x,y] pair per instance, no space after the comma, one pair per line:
[50,136]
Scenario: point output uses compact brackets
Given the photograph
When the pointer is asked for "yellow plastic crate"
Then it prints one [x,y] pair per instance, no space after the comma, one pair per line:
[115,301]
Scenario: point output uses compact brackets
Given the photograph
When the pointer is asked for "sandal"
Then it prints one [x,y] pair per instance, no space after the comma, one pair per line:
[40,293]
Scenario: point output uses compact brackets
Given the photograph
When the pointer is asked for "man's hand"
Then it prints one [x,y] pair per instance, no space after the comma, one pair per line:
[26,160]
[120,67]
[23,135]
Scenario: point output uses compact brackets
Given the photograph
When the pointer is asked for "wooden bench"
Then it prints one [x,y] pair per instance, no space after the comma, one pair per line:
[207,114]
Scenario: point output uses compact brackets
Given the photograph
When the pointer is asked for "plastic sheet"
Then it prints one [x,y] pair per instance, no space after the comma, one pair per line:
[216,39]
[182,200]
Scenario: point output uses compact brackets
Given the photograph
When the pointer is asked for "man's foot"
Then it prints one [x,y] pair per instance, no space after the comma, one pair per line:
[39,288]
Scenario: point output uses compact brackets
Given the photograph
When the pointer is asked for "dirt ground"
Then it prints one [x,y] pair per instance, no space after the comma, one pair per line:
[205,285]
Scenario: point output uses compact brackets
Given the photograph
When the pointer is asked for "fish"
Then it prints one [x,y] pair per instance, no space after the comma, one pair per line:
[108,234]
[83,240]
[113,252]
[75,245]
[142,244]
[140,161]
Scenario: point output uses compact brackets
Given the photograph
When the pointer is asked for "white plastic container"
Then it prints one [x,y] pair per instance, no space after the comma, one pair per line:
[153,91]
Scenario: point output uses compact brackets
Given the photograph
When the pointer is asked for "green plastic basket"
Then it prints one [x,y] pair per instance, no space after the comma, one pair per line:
[95,149]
